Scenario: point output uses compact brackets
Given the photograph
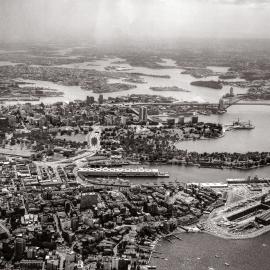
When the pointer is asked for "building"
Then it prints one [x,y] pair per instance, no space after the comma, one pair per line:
[19,247]
[52,264]
[100,99]
[31,264]
[181,120]
[3,123]
[143,114]
[74,223]
[90,100]
[221,104]
[194,119]
[170,122]
[231,92]
[115,262]
[88,200]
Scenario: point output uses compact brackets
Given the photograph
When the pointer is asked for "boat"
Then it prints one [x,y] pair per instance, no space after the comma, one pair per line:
[242,125]
[122,172]
[238,125]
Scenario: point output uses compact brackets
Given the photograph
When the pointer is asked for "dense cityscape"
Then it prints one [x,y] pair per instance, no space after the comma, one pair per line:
[134,136]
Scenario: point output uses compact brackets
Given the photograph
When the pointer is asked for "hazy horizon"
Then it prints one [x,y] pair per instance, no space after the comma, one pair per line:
[138,20]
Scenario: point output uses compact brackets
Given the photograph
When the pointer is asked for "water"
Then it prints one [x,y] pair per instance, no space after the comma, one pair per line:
[199,94]
[241,141]
[198,252]
[199,175]
[234,141]
[7,63]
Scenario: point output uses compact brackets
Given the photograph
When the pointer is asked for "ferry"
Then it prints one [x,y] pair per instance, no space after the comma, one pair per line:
[122,172]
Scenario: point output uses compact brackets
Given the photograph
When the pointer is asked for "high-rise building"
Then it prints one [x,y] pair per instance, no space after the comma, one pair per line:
[231,91]
[143,114]
[100,99]
[74,223]
[194,119]
[170,122]
[90,100]
[221,104]
[19,247]
[115,262]
[181,120]
[3,123]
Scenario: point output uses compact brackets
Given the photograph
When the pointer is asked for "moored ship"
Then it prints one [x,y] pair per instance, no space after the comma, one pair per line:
[122,172]
[240,125]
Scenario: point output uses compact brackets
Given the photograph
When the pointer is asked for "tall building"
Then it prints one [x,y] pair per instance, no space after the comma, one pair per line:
[221,104]
[194,119]
[181,120]
[143,114]
[3,123]
[19,247]
[100,99]
[74,223]
[115,263]
[90,100]
[231,91]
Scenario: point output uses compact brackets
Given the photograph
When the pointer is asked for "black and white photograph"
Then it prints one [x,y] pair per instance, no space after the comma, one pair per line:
[134,134]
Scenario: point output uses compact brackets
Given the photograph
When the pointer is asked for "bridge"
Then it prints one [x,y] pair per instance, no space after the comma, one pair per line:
[228,102]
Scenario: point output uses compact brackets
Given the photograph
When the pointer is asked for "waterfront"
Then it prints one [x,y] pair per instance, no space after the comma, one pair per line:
[201,251]
[198,94]
[200,175]
[238,140]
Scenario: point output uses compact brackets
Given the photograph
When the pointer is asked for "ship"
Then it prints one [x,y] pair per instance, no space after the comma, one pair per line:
[240,125]
[121,172]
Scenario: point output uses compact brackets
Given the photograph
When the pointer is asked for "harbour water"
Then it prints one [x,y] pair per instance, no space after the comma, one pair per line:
[257,139]
[201,251]
[240,141]
[198,94]
[200,175]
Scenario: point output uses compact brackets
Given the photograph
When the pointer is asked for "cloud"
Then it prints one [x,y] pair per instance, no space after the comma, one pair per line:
[103,20]
[242,2]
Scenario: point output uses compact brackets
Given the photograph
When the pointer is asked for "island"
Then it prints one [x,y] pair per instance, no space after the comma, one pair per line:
[151,75]
[208,84]
[168,88]
[197,72]
[108,87]
[134,80]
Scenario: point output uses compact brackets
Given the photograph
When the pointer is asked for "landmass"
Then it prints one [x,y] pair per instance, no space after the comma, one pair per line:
[151,75]
[208,84]
[198,72]
[168,88]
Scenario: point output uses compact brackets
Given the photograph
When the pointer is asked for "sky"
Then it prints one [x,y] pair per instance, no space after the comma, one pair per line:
[105,20]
